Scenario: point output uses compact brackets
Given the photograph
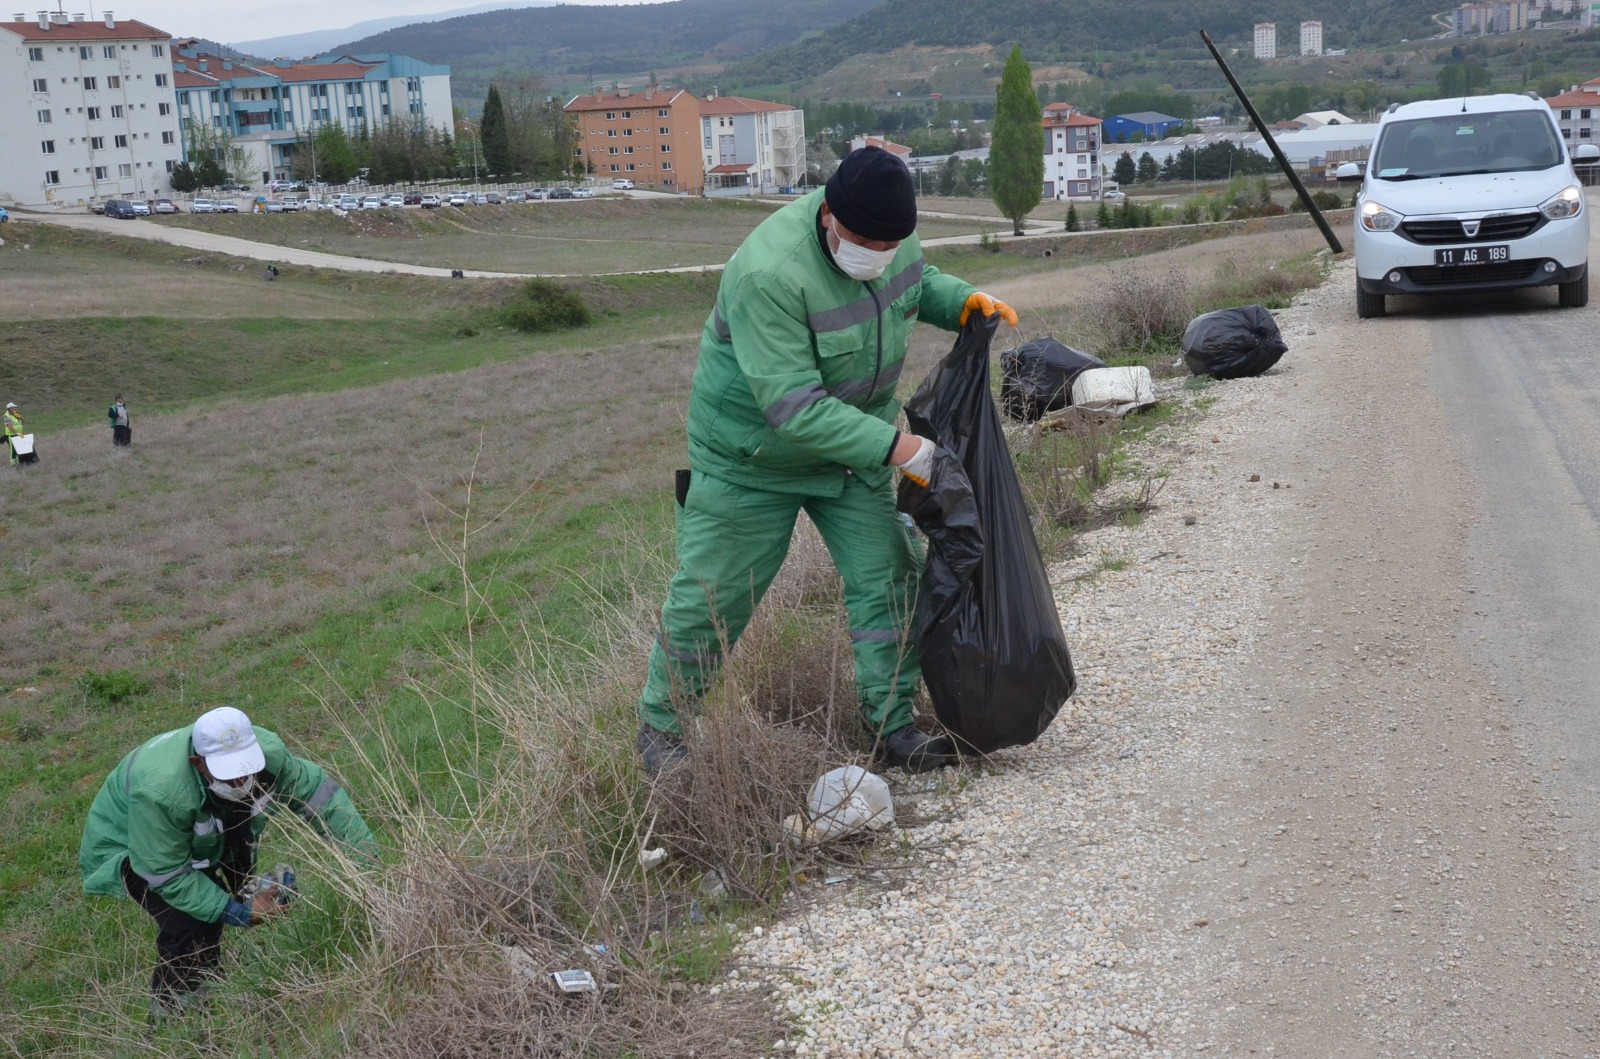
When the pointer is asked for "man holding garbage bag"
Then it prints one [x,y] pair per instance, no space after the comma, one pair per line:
[792,408]
[175,827]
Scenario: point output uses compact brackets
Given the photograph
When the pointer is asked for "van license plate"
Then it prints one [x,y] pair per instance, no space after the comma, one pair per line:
[1471,255]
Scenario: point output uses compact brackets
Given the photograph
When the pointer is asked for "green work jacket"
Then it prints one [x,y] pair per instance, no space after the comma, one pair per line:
[154,813]
[798,362]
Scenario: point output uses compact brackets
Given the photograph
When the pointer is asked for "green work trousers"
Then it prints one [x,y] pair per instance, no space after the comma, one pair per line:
[731,542]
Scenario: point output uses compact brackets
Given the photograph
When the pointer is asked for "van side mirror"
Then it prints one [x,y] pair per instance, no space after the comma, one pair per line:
[1350,173]
[1586,153]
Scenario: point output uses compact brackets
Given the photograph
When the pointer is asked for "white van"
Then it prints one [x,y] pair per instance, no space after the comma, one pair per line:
[1468,195]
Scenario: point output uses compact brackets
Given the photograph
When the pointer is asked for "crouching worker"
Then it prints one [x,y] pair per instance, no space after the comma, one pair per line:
[792,409]
[175,827]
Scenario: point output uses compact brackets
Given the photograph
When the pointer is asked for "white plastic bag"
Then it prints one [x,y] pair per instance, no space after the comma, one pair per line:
[849,799]
[1116,390]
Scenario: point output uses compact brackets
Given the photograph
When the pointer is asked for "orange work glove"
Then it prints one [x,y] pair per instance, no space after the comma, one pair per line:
[981,302]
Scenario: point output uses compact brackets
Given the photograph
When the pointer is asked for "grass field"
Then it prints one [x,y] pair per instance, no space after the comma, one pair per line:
[592,237]
[340,485]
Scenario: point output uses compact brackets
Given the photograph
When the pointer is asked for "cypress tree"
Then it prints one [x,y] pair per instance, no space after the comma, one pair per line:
[495,136]
[1016,154]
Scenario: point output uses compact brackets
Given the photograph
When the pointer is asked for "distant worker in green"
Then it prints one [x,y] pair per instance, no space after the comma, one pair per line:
[792,409]
[176,824]
[14,429]
[121,430]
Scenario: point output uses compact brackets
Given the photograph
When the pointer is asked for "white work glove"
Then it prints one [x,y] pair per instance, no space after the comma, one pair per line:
[919,468]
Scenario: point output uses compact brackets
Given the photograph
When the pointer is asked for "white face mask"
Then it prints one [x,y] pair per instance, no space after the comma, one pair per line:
[857,261]
[251,794]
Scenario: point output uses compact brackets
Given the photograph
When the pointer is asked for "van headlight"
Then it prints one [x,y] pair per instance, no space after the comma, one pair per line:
[1377,218]
[1568,203]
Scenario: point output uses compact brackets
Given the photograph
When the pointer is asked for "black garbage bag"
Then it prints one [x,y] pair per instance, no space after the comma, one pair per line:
[1233,343]
[1036,377]
[994,657]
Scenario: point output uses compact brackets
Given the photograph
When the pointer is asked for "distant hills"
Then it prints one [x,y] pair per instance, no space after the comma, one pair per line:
[316,42]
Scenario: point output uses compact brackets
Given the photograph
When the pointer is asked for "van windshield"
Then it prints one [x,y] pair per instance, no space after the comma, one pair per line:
[1517,141]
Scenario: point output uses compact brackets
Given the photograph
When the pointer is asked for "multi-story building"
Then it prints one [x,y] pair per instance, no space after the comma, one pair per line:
[1071,154]
[751,145]
[1578,113]
[1311,38]
[270,108]
[1266,40]
[651,138]
[87,110]
[1491,16]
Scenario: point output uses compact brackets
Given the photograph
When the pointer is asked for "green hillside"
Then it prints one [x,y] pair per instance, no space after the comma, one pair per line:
[1082,28]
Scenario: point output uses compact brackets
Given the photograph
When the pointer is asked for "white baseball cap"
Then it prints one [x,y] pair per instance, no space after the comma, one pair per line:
[225,739]
[11,404]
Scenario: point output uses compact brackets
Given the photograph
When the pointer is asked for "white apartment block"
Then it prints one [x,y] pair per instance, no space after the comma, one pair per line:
[751,145]
[1492,16]
[271,107]
[86,110]
[1311,38]
[1266,40]
[1071,154]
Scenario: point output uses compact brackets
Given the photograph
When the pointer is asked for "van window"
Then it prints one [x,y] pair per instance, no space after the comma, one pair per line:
[1459,144]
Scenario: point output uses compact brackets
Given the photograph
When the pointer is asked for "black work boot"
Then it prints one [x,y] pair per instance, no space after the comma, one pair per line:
[660,750]
[916,751]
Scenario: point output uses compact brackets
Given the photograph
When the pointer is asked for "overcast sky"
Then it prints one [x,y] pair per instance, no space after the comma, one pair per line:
[235,20]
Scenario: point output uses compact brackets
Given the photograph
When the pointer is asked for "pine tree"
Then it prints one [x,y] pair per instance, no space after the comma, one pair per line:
[1149,168]
[1016,154]
[1125,172]
[1073,223]
[494,135]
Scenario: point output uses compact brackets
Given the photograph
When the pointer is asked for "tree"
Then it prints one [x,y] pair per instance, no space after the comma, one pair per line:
[213,153]
[1149,169]
[183,178]
[1124,172]
[1074,224]
[1463,78]
[1016,153]
[495,136]
[335,154]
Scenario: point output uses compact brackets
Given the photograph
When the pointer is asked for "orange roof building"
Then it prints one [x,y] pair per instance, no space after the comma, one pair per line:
[1071,154]
[649,137]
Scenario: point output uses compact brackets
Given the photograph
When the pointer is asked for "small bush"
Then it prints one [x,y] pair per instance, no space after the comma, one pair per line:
[541,305]
[1139,313]
[111,688]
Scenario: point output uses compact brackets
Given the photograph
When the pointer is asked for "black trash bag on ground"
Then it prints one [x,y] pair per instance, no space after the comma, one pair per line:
[1036,377]
[1233,343]
[994,656]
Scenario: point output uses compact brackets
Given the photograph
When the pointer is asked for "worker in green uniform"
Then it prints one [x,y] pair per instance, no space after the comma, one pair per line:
[792,409]
[175,827]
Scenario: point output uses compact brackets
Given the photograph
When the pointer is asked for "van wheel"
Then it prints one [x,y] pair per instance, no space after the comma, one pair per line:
[1575,295]
[1369,306]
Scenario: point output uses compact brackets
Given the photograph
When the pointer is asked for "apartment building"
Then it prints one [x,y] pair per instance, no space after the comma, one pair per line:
[1578,113]
[651,137]
[750,145]
[87,110]
[1266,40]
[1071,154]
[269,108]
[1311,38]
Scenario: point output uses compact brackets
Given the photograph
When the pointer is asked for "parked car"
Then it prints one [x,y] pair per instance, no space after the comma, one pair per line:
[561,193]
[491,199]
[372,202]
[280,185]
[347,201]
[428,202]
[394,201]
[226,206]
[1468,195]
[458,198]
[412,198]
[533,194]
[1113,195]
[271,205]
[4,215]
[516,196]
[202,206]
[291,204]
[121,209]
[582,193]
[140,208]
[622,185]
[164,206]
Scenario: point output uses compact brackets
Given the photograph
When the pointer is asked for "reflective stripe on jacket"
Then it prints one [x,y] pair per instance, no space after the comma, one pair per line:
[799,362]
[154,813]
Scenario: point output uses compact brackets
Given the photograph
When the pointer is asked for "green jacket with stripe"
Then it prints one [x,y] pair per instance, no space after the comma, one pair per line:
[798,362]
[154,813]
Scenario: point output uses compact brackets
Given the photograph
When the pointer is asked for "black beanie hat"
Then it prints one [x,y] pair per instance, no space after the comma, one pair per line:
[872,195]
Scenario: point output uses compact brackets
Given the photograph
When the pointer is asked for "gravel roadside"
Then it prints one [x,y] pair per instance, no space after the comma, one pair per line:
[1284,813]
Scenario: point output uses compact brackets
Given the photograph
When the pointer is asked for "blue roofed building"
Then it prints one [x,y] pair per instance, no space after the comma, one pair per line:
[1147,125]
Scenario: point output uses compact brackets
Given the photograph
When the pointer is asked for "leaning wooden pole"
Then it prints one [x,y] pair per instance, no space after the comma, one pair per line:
[1283,163]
